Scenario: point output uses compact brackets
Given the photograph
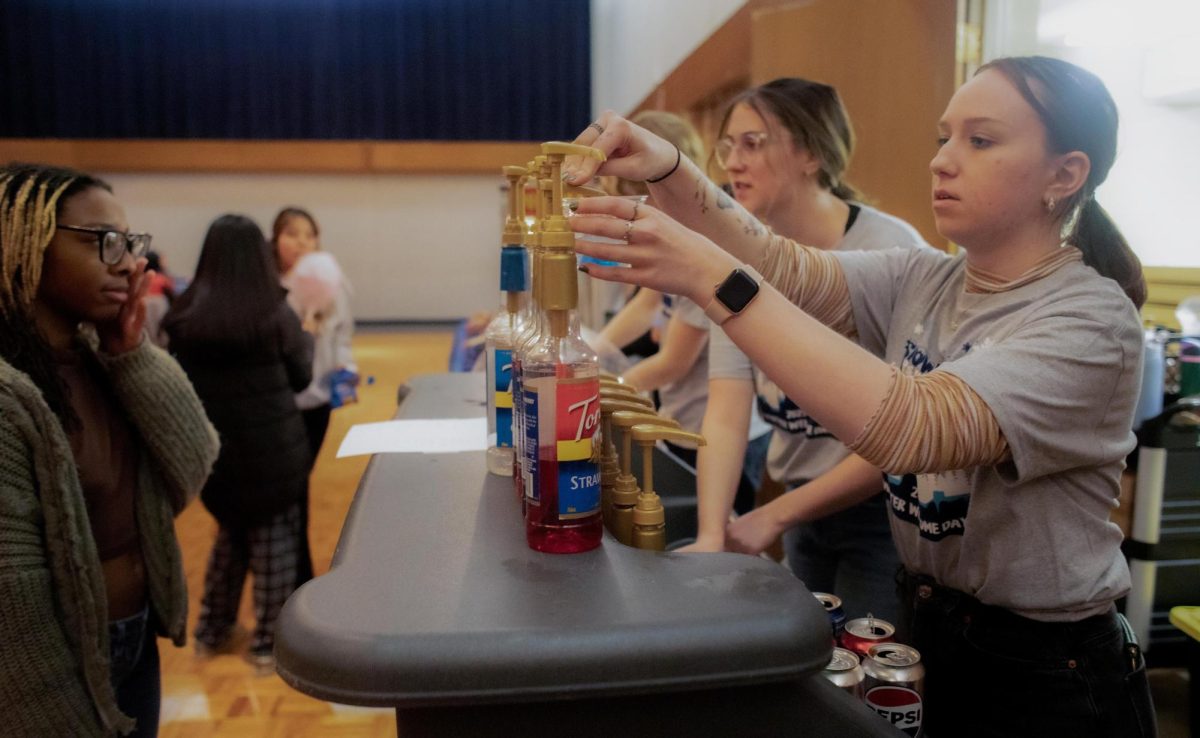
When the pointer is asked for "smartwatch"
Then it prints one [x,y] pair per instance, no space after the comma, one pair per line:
[733,294]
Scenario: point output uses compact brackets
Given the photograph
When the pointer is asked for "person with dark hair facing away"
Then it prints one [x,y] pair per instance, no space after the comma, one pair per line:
[247,356]
[102,443]
[995,388]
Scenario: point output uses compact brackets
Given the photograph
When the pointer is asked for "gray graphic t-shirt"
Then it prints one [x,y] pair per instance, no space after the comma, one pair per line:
[801,448]
[1058,362]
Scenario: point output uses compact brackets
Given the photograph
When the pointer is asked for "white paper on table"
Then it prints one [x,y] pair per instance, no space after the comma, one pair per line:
[441,436]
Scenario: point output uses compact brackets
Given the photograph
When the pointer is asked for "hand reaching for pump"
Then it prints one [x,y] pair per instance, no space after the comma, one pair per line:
[632,152]
[661,253]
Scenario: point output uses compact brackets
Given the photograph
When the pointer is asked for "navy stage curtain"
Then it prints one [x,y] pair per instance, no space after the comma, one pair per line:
[295,69]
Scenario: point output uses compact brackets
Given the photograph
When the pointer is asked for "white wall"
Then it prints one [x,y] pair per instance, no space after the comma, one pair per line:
[1152,190]
[414,247]
[637,43]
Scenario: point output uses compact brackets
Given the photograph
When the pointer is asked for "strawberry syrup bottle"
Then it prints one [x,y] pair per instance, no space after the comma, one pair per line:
[561,387]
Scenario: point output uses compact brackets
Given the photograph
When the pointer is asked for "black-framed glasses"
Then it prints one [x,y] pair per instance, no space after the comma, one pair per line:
[750,143]
[114,244]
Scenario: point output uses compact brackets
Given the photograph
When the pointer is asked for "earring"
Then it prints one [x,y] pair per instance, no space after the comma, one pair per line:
[1050,203]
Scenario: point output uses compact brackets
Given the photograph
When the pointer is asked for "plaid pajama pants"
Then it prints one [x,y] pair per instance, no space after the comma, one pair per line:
[271,551]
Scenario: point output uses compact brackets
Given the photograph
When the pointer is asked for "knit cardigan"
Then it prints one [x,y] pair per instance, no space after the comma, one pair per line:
[54,649]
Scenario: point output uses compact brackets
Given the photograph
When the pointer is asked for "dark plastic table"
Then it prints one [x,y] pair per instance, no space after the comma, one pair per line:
[435,606]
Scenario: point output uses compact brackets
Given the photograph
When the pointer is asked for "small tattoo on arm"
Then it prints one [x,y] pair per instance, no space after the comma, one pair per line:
[724,201]
[702,194]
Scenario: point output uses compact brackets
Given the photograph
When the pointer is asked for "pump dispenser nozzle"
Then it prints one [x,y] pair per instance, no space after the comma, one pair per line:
[610,467]
[561,236]
[630,396]
[649,517]
[514,223]
[625,491]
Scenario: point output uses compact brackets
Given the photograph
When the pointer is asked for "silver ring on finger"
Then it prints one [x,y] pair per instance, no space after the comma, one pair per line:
[599,128]
[628,230]
[636,204]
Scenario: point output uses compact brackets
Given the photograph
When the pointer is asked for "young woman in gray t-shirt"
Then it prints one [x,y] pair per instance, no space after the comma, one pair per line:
[996,389]
[785,146]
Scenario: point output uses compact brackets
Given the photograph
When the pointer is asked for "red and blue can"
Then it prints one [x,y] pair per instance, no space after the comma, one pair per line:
[862,633]
[833,609]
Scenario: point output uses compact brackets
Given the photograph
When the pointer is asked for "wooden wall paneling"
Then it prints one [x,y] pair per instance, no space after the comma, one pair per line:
[1167,287]
[321,157]
[893,62]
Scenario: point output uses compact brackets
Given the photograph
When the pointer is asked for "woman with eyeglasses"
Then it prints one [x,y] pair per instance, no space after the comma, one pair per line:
[102,443]
[244,349]
[785,147]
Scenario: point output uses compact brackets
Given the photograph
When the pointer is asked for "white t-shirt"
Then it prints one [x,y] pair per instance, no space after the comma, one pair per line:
[801,448]
[1058,361]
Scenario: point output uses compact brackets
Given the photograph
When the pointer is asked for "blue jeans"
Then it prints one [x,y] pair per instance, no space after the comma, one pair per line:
[990,672]
[135,676]
[849,554]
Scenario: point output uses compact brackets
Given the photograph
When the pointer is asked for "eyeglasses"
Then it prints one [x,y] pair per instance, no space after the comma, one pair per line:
[114,244]
[750,143]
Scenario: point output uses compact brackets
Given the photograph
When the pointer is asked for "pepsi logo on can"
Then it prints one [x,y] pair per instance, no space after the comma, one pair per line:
[833,608]
[895,683]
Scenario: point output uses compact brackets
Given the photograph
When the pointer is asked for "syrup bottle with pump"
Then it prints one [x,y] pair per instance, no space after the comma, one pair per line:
[561,393]
[503,330]
[532,327]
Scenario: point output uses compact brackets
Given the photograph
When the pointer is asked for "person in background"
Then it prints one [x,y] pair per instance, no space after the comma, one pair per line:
[295,234]
[785,146]
[678,370]
[247,356]
[159,294]
[102,443]
[995,388]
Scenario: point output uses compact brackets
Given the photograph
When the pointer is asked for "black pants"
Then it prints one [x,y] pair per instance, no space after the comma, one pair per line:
[990,672]
[316,424]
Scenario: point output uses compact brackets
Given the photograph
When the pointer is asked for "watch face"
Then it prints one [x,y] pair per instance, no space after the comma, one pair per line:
[737,290]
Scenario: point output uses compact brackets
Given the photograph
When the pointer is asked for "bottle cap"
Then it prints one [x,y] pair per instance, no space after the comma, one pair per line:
[512,269]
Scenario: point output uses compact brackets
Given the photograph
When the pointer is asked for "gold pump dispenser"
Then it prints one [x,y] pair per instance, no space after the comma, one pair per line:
[636,399]
[626,492]
[610,461]
[649,517]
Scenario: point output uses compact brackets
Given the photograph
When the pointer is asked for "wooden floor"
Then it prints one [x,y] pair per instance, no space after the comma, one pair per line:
[221,696]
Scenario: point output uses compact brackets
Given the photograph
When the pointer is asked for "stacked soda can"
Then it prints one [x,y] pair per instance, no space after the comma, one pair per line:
[894,685]
[845,671]
[862,633]
[833,608]
[888,676]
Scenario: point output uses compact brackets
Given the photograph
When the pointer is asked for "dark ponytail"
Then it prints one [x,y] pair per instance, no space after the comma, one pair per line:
[1079,115]
[1106,250]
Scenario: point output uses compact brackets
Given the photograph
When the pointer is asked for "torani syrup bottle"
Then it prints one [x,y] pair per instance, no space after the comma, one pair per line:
[561,394]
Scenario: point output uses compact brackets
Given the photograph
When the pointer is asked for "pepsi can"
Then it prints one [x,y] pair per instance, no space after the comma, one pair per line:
[862,633]
[845,671]
[895,685]
[833,608]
